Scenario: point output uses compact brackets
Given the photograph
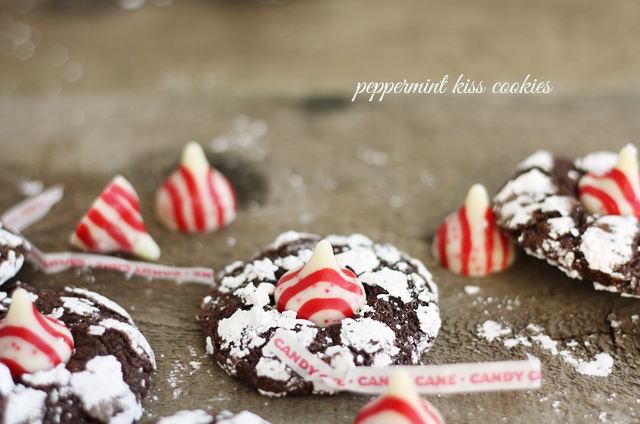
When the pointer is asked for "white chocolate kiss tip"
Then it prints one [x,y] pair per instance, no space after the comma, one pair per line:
[320,291]
[477,202]
[30,342]
[114,224]
[194,159]
[628,162]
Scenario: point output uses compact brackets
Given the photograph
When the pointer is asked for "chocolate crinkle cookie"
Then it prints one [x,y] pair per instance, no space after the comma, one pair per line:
[107,376]
[198,416]
[539,209]
[13,250]
[396,325]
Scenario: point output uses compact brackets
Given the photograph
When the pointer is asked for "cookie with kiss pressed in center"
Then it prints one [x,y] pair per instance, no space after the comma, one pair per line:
[108,374]
[398,322]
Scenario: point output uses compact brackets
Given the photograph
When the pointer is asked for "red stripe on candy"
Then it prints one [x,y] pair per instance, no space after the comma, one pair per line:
[132,218]
[607,202]
[14,367]
[313,306]
[394,404]
[129,197]
[488,238]
[627,190]
[196,201]
[288,277]
[465,248]
[214,198]
[505,249]
[51,329]
[442,244]
[84,234]
[113,230]
[32,338]
[177,205]
[325,274]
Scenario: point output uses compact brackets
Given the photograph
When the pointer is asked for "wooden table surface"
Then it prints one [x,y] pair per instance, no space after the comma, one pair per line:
[266,87]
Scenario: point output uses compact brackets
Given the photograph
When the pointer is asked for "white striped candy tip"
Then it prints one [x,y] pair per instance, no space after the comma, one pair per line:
[114,223]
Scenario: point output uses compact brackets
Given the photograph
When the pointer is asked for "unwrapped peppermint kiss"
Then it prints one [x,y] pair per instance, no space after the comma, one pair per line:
[196,198]
[468,241]
[114,224]
[401,404]
[320,291]
[616,191]
[29,341]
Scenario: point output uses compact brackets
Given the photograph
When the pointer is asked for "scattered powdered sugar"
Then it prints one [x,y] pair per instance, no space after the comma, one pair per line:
[471,289]
[10,265]
[607,244]
[359,259]
[197,416]
[541,159]
[96,330]
[258,296]
[244,417]
[429,318]
[259,269]
[561,226]
[530,183]
[601,366]
[25,405]
[491,330]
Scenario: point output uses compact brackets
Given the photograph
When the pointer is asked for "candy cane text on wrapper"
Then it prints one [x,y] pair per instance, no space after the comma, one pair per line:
[429,379]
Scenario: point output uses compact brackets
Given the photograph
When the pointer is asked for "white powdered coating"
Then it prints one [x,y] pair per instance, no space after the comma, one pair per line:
[58,376]
[103,301]
[6,382]
[520,210]
[598,162]
[491,330]
[258,296]
[532,183]
[259,269]
[25,406]
[558,227]
[368,335]
[359,259]
[10,266]
[341,359]
[96,330]
[607,244]
[429,318]
[352,241]
[290,236]
[57,313]
[80,306]
[291,262]
[541,159]
[243,329]
[394,282]
[137,341]
[197,416]
[273,368]
[388,253]
[209,346]
[105,373]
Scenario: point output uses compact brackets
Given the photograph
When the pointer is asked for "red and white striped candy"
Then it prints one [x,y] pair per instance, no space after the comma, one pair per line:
[401,404]
[29,341]
[615,192]
[320,291]
[468,241]
[196,198]
[114,224]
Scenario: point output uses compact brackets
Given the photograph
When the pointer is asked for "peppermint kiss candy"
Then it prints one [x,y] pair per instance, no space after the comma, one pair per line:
[320,291]
[196,197]
[468,241]
[29,341]
[399,405]
[114,224]
[616,191]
